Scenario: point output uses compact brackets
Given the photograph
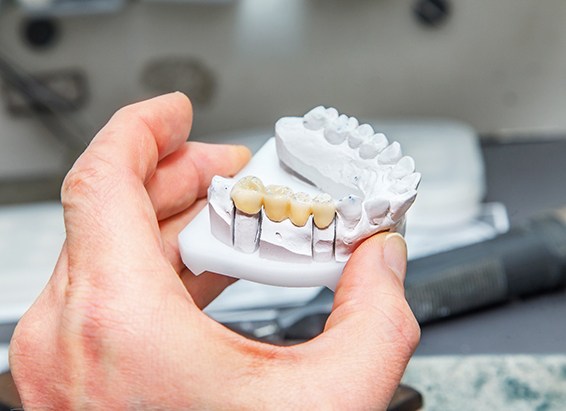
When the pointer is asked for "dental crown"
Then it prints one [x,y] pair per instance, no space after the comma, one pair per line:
[359,185]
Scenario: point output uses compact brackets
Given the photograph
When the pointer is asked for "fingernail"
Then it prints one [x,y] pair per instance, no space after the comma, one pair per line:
[395,254]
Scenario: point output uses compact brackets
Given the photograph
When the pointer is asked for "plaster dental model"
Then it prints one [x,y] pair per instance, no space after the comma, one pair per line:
[306,200]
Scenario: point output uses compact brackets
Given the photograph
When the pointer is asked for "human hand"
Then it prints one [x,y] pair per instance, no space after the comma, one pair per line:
[120,326]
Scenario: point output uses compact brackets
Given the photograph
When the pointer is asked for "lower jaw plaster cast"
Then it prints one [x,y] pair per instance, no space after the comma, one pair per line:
[293,216]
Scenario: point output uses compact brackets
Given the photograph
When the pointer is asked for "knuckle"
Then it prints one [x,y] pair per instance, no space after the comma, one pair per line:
[402,326]
[408,328]
[79,182]
[28,349]
[89,179]
[413,332]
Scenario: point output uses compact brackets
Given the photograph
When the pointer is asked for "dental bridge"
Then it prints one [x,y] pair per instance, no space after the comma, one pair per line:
[307,199]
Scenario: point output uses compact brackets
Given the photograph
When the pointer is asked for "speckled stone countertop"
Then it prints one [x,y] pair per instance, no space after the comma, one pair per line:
[490,382]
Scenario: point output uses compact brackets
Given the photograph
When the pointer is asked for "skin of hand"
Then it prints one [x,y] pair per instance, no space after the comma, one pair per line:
[120,326]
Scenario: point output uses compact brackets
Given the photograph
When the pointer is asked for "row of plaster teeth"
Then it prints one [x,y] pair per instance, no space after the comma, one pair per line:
[280,202]
[351,208]
[338,128]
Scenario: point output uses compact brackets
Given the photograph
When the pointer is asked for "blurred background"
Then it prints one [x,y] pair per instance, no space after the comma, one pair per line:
[475,91]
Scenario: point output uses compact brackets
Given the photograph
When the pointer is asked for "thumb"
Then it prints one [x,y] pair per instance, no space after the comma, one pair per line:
[372,279]
[371,332]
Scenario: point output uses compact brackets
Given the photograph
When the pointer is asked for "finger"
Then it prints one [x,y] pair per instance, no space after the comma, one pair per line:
[108,214]
[170,229]
[205,287]
[371,332]
[376,270]
[139,135]
[185,175]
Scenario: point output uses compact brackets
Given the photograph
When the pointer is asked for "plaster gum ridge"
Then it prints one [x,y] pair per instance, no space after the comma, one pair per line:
[367,186]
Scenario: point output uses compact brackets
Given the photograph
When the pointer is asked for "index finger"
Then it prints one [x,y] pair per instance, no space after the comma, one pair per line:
[108,213]
[141,134]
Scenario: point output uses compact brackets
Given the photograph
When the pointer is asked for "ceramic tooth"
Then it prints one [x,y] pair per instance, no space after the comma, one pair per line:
[323,210]
[300,209]
[276,202]
[247,195]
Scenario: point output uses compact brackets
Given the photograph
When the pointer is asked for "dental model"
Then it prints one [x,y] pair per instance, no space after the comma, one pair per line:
[328,184]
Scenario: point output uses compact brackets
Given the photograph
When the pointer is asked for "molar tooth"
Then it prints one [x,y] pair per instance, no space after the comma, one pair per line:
[400,187]
[372,146]
[407,183]
[412,180]
[316,118]
[350,209]
[353,123]
[331,114]
[376,209]
[276,202]
[337,130]
[403,168]
[247,194]
[401,203]
[300,209]
[323,210]
[359,135]
[391,154]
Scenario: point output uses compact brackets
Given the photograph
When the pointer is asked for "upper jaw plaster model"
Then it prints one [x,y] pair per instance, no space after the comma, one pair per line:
[336,183]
